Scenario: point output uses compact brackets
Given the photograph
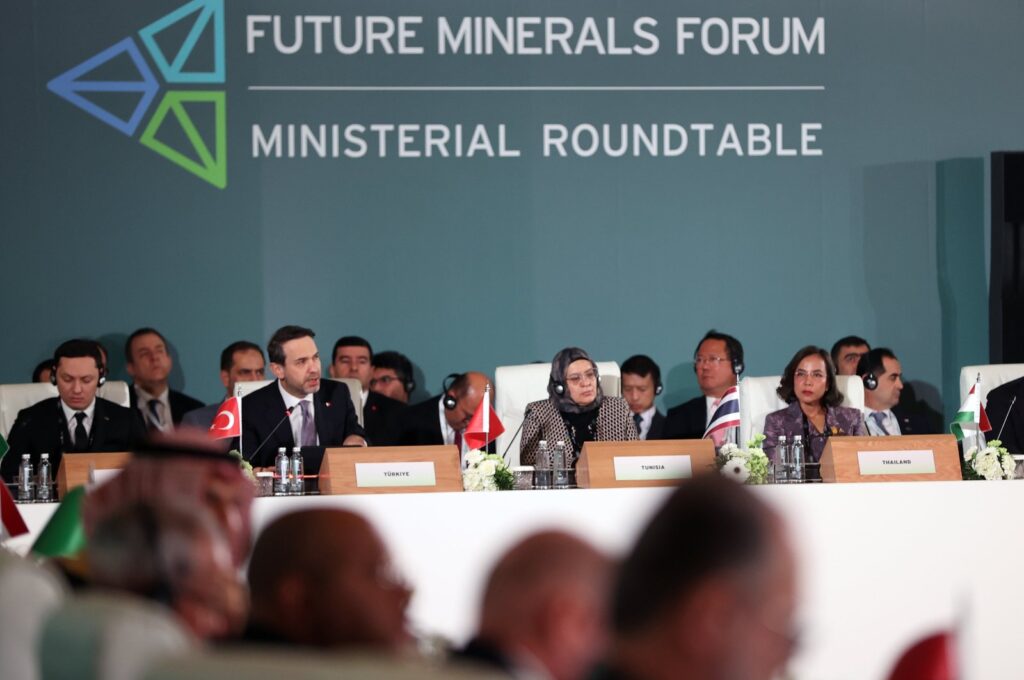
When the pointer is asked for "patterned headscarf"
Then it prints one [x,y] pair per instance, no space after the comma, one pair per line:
[559,368]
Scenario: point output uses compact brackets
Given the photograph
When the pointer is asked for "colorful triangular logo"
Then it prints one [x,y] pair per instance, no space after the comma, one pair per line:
[204,160]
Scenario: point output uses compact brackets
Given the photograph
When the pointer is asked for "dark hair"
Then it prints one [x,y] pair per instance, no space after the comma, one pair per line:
[708,525]
[78,348]
[44,365]
[643,366]
[733,346]
[138,334]
[832,397]
[459,385]
[275,350]
[351,341]
[872,361]
[848,341]
[227,357]
[397,362]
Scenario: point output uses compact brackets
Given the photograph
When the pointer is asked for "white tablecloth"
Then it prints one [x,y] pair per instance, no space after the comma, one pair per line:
[881,564]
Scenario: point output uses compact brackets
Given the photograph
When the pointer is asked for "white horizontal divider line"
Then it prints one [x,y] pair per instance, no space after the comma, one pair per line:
[536,88]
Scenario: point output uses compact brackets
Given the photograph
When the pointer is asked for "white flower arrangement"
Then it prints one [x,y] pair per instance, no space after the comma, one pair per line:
[244,464]
[747,465]
[486,472]
[992,462]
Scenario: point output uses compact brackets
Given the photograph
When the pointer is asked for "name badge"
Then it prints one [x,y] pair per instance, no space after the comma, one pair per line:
[643,468]
[395,474]
[896,462]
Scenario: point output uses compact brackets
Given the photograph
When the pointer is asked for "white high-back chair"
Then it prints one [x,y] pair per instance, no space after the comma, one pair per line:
[758,399]
[13,398]
[28,594]
[992,376]
[354,391]
[517,386]
[105,636]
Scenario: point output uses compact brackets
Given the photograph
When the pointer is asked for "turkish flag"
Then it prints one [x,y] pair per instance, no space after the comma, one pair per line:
[931,658]
[13,522]
[484,427]
[228,421]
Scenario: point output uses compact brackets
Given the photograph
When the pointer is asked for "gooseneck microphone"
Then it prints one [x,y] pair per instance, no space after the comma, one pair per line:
[504,455]
[287,415]
[1005,418]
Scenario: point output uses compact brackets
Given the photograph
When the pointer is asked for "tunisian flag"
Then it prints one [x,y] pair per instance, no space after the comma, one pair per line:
[228,421]
[484,427]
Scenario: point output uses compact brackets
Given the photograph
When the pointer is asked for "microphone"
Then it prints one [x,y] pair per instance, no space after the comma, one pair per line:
[1006,417]
[504,455]
[287,415]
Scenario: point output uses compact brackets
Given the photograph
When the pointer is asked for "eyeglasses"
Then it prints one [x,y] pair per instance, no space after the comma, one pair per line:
[814,376]
[713,361]
[580,378]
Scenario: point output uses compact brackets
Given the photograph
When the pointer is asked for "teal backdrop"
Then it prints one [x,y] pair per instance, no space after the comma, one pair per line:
[470,263]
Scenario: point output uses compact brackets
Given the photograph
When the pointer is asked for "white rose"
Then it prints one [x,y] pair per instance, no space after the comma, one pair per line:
[1009,466]
[987,465]
[487,468]
[970,453]
[736,469]
[471,481]
[474,457]
[728,449]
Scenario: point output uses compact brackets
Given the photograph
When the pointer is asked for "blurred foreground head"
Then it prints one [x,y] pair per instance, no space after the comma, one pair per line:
[177,556]
[323,578]
[181,469]
[709,590]
[545,604]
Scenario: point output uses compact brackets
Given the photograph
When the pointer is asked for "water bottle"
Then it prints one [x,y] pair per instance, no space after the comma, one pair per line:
[25,481]
[542,467]
[297,468]
[782,460]
[559,466]
[281,472]
[43,481]
[798,459]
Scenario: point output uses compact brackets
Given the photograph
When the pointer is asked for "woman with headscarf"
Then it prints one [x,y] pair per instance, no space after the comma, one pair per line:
[576,411]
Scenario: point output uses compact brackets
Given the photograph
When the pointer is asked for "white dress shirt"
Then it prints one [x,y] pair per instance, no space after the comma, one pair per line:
[295,419]
[448,432]
[166,419]
[709,407]
[892,425]
[645,421]
[69,418]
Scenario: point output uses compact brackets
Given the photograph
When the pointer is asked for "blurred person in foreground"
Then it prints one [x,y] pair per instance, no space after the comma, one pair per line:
[576,410]
[535,622]
[323,578]
[173,554]
[708,591]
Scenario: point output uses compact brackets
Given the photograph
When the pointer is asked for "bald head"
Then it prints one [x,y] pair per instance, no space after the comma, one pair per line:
[323,578]
[468,391]
[546,596]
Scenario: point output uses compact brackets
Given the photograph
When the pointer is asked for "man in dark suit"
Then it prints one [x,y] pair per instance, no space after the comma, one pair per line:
[353,358]
[443,419]
[318,413]
[884,414]
[536,621]
[641,383]
[76,420]
[241,361]
[718,363]
[149,363]
[1002,407]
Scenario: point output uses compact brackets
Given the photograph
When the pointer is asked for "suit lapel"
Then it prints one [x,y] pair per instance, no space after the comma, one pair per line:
[323,409]
[100,425]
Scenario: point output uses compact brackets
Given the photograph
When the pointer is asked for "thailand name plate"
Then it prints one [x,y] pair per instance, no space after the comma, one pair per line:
[395,474]
[919,462]
[651,468]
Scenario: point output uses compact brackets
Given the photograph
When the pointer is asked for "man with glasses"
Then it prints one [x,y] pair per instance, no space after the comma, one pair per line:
[718,363]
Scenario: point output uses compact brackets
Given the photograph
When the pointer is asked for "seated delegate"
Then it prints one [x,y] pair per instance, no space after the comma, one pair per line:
[576,411]
[809,386]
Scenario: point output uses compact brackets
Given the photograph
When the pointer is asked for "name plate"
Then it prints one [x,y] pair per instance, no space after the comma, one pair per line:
[648,468]
[395,474]
[908,462]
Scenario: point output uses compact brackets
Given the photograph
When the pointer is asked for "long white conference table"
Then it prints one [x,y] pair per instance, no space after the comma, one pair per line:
[881,564]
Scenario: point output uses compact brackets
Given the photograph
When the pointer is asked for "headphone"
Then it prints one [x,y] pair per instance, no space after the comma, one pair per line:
[737,369]
[409,384]
[99,383]
[448,400]
[558,387]
[870,381]
[658,388]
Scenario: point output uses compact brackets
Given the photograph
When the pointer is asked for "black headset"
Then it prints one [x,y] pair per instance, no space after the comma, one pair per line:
[870,381]
[449,401]
[409,384]
[658,388]
[99,383]
[558,387]
[866,371]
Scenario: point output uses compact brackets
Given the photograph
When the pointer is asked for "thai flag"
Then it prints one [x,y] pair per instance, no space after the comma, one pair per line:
[727,414]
